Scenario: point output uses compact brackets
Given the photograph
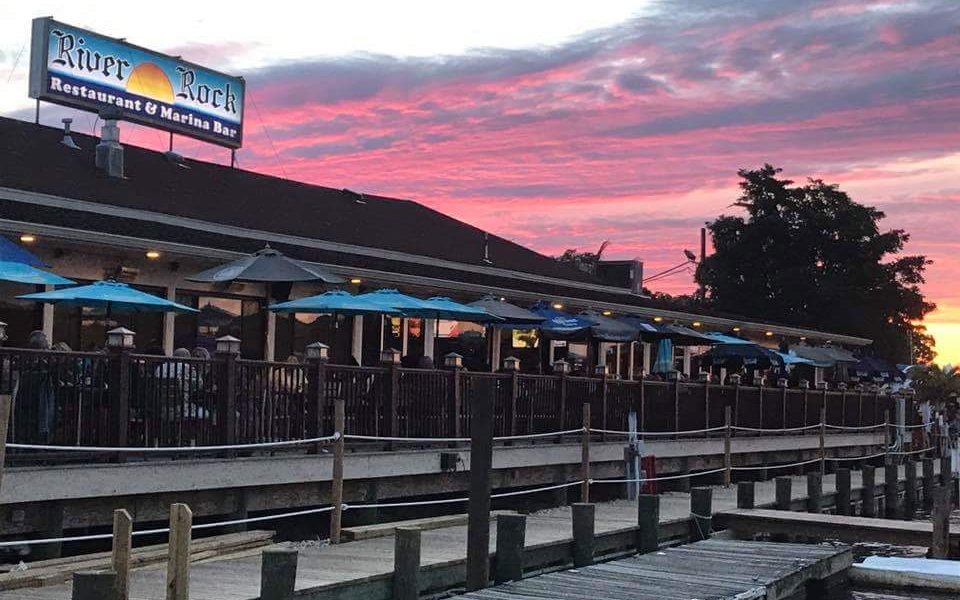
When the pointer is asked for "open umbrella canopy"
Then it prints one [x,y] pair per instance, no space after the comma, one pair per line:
[392,301]
[871,366]
[332,302]
[557,323]
[266,265]
[110,295]
[678,334]
[609,330]
[741,355]
[445,308]
[790,358]
[11,252]
[720,338]
[513,316]
[19,272]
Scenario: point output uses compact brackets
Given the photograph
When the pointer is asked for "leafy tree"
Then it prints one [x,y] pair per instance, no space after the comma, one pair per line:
[934,383]
[811,256]
[585,261]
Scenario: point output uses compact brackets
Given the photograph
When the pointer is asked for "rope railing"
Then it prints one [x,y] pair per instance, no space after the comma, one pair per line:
[664,478]
[775,430]
[657,433]
[787,466]
[846,458]
[176,449]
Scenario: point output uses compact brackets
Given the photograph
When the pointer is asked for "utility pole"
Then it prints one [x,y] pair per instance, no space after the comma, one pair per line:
[703,254]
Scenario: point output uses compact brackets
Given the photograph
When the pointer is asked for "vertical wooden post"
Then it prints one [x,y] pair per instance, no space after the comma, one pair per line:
[701,513]
[887,437]
[746,494]
[514,397]
[843,492]
[481,459]
[676,405]
[5,404]
[946,469]
[784,492]
[406,564]
[456,403]
[585,455]
[823,439]
[316,399]
[95,585]
[648,523]
[910,489]
[122,532]
[868,495]
[814,493]
[928,482]
[391,392]
[227,399]
[583,531]
[178,561]
[562,391]
[511,538]
[727,459]
[891,476]
[940,546]
[604,395]
[119,380]
[336,480]
[278,573]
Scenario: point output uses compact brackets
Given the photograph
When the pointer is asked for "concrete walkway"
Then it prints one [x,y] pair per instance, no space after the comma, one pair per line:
[238,578]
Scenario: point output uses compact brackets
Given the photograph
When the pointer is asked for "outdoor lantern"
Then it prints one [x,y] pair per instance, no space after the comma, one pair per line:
[390,356]
[318,351]
[120,337]
[842,386]
[782,382]
[3,332]
[511,363]
[600,370]
[821,385]
[703,376]
[453,361]
[805,384]
[735,379]
[228,345]
[561,367]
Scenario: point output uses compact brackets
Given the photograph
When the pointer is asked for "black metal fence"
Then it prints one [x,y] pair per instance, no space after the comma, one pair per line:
[124,399]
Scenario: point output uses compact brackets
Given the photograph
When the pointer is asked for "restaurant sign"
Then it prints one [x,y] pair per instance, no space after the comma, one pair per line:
[89,71]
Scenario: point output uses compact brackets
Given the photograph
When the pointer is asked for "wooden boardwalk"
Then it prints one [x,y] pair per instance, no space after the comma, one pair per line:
[328,570]
[708,569]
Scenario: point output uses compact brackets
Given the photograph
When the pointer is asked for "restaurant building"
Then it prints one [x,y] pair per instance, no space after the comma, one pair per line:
[165,217]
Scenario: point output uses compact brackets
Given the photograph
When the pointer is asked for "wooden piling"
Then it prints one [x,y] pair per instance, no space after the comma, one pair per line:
[406,564]
[814,493]
[891,491]
[478,509]
[910,490]
[95,585]
[843,492]
[784,492]
[278,573]
[928,482]
[746,494]
[648,523]
[585,455]
[336,482]
[511,539]
[178,561]
[5,404]
[940,545]
[120,551]
[701,513]
[868,495]
[727,458]
[583,533]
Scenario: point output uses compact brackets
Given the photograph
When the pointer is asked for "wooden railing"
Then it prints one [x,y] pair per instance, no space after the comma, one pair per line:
[119,398]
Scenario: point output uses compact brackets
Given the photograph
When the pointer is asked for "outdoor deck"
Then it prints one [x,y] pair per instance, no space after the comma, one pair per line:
[363,569]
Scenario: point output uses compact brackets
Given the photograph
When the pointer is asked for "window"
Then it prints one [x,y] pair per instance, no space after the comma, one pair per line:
[21,316]
[220,316]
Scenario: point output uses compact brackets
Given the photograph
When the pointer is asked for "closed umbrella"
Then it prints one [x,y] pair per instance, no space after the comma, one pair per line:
[332,302]
[112,296]
[267,266]
[664,362]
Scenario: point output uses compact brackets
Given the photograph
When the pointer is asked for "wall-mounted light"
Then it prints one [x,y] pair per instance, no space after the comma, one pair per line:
[356,280]
[736,330]
[28,238]
[607,313]
[557,306]
[658,319]
[152,254]
[697,323]
[768,333]
[803,338]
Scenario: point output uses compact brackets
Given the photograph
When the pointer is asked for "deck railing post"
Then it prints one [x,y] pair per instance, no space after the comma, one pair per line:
[514,401]
[562,391]
[887,437]
[604,396]
[583,533]
[6,403]
[511,538]
[648,523]
[391,393]
[278,573]
[868,495]
[406,564]
[120,551]
[119,390]
[727,458]
[316,397]
[843,492]
[823,440]
[227,397]
[336,479]
[585,455]
[701,513]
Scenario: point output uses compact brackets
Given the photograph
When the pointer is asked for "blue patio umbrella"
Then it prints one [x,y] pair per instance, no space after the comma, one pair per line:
[19,272]
[11,252]
[112,296]
[721,338]
[333,302]
[392,301]
[445,308]
[664,362]
[560,324]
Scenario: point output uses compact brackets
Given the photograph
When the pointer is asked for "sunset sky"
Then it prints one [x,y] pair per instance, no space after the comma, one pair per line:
[562,125]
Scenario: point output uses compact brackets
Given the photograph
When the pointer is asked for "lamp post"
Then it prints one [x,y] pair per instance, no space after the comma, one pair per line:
[120,338]
[453,361]
[228,345]
[511,364]
[317,351]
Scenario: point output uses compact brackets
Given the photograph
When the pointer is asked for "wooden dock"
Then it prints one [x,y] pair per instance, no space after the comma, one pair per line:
[707,569]
[749,522]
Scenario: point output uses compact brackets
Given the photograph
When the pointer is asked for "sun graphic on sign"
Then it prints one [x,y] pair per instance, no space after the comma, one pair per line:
[149,80]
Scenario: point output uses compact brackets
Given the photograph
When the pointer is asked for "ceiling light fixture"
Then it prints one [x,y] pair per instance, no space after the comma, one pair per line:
[28,238]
